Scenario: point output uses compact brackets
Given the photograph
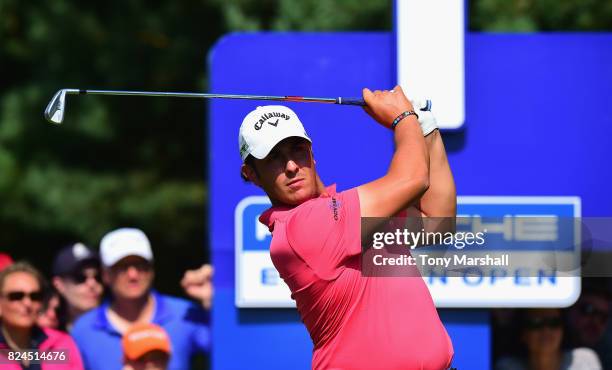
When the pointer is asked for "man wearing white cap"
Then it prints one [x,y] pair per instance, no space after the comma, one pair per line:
[127,261]
[355,321]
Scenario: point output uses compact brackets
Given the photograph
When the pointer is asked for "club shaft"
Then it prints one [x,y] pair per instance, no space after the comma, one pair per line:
[205,95]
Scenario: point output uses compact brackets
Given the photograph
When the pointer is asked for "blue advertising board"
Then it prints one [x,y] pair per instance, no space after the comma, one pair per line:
[525,134]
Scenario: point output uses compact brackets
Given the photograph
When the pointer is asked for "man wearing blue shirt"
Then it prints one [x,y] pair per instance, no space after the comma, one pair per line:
[128,272]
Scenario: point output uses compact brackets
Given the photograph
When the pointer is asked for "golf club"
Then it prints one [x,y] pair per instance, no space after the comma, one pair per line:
[54,112]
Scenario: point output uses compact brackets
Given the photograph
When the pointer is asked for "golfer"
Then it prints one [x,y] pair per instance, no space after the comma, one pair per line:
[355,322]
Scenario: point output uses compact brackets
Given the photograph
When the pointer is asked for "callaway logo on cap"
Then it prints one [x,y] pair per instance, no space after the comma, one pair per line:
[265,127]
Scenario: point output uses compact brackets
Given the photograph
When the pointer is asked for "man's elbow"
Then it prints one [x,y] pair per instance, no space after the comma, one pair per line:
[423,184]
[421,181]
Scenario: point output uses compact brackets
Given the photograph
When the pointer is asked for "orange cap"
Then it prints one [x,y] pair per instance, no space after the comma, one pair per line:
[144,338]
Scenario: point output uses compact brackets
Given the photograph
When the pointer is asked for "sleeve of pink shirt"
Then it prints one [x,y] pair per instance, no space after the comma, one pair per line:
[325,231]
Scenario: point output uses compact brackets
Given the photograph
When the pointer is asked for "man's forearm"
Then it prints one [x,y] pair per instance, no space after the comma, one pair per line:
[440,199]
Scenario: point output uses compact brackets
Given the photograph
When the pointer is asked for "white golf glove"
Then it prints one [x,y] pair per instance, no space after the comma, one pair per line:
[426,118]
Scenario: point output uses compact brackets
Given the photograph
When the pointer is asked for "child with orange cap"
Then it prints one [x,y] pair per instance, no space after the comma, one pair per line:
[146,347]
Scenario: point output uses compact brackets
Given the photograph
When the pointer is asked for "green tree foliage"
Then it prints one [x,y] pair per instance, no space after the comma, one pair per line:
[115,161]
[540,15]
[310,15]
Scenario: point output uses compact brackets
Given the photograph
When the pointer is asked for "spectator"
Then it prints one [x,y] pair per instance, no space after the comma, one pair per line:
[20,302]
[77,278]
[48,316]
[146,346]
[541,333]
[5,260]
[588,318]
[127,261]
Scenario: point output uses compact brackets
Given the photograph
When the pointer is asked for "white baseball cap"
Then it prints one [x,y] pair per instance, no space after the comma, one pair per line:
[265,127]
[124,242]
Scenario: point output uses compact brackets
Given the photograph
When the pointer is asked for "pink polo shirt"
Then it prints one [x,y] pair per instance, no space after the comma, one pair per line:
[355,322]
[57,343]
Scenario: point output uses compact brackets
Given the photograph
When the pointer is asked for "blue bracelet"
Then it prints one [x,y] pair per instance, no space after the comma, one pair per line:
[402,116]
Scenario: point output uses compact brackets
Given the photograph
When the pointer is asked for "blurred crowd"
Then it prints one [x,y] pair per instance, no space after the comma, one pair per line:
[99,310]
[577,337]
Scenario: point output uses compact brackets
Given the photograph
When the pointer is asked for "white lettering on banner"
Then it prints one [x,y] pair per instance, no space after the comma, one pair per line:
[516,227]
[476,276]
[536,227]
[269,276]
[261,230]
[505,227]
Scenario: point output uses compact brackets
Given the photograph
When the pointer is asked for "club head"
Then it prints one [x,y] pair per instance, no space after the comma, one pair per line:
[54,113]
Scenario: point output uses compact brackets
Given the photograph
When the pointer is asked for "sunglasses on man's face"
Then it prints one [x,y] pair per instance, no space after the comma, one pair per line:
[140,266]
[80,278]
[536,323]
[36,296]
